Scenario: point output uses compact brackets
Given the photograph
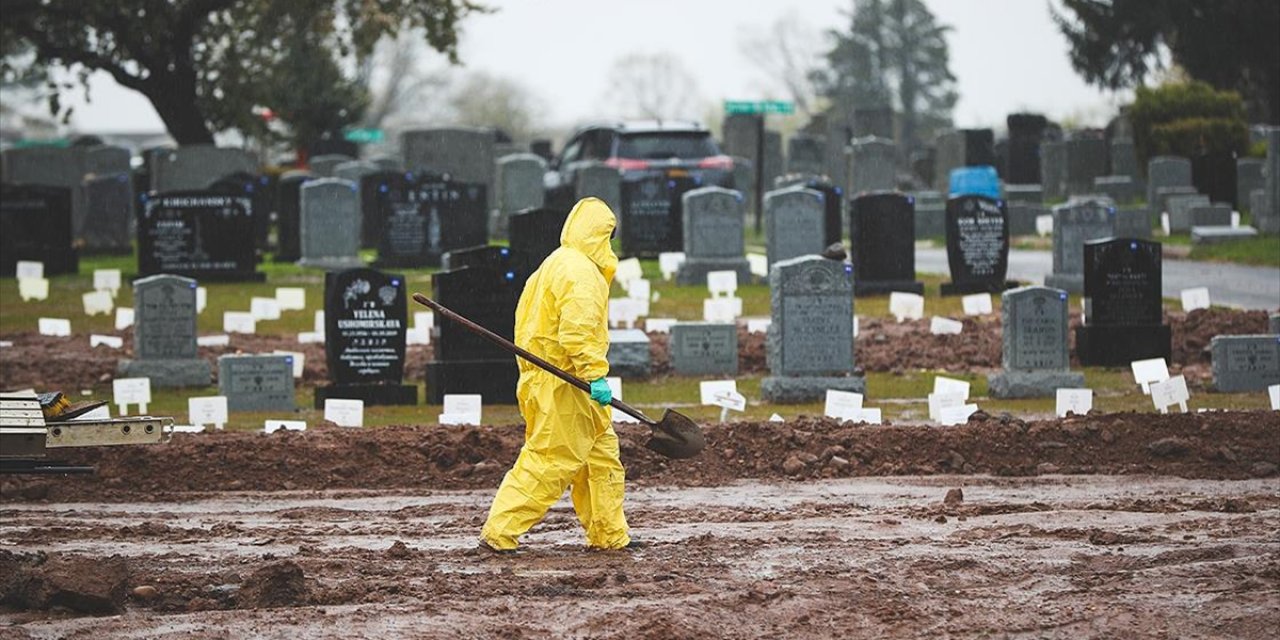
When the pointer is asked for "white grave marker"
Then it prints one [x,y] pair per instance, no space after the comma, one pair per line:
[113,342]
[628,270]
[940,326]
[416,335]
[98,302]
[202,299]
[669,263]
[639,289]
[239,322]
[106,280]
[615,387]
[124,318]
[940,401]
[1165,226]
[462,408]
[272,426]
[623,312]
[720,310]
[776,418]
[1170,392]
[906,306]
[1146,372]
[343,412]
[421,320]
[1235,219]
[317,325]
[723,394]
[57,327]
[1274,392]
[291,298]
[943,385]
[127,391]
[29,270]
[758,325]
[659,325]
[722,284]
[219,340]
[208,410]
[1044,226]
[33,289]
[954,415]
[185,428]
[759,264]
[870,415]
[310,337]
[264,308]
[843,405]
[1077,401]
[976,304]
[1197,298]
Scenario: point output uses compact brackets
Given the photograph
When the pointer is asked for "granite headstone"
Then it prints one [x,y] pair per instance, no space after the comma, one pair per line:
[1242,364]
[704,349]
[1034,354]
[809,344]
[164,334]
[257,382]
[1122,303]
[1075,223]
[206,235]
[713,235]
[365,313]
[35,224]
[882,233]
[977,245]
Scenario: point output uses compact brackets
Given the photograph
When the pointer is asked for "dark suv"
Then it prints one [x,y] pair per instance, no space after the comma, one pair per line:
[680,151]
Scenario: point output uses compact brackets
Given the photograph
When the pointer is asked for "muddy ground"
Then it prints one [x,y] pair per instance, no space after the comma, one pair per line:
[43,362]
[1123,525]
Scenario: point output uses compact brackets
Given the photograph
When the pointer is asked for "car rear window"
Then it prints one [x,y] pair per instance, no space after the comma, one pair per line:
[664,145]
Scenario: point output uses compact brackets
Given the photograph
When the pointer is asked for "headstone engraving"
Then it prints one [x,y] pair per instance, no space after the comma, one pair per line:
[1075,223]
[1034,352]
[809,345]
[257,382]
[1122,303]
[199,234]
[1243,364]
[330,229]
[164,334]
[977,245]
[882,230]
[365,325]
[437,215]
[702,349]
[713,235]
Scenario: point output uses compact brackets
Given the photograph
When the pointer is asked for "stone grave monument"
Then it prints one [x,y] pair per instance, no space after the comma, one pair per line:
[1122,304]
[794,223]
[1166,171]
[35,224]
[380,192]
[517,186]
[481,290]
[105,223]
[882,231]
[805,154]
[257,382]
[832,198]
[713,235]
[192,166]
[326,165]
[207,235]
[261,193]
[650,215]
[365,324]
[629,355]
[977,245]
[598,180]
[289,215]
[1075,223]
[438,215]
[1242,364]
[704,349]
[872,165]
[164,334]
[1086,160]
[931,215]
[1034,353]
[466,154]
[330,229]
[535,233]
[809,345]
[1053,169]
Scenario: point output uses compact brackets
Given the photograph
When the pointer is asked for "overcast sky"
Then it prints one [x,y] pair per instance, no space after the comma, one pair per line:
[1006,55]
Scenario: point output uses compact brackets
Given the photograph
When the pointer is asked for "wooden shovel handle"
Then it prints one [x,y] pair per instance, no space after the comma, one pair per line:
[511,347]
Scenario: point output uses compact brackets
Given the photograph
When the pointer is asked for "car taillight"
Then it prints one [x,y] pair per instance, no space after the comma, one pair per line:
[716,162]
[627,164]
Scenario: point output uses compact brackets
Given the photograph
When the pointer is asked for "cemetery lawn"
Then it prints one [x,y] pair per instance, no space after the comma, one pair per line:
[1263,251]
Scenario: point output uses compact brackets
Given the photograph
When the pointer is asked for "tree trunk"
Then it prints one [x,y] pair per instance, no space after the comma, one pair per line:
[174,98]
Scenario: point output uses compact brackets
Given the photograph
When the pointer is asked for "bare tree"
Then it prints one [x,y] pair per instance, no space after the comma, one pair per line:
[483,100]
[400,78]
[655,86]
[785,55]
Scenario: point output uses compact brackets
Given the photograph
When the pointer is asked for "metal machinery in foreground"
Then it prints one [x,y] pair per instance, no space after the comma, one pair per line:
[28,437]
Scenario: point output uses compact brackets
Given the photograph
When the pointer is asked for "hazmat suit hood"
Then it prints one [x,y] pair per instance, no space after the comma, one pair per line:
[588,229]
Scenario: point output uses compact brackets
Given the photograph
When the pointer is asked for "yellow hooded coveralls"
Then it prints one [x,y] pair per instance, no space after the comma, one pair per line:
[562,317]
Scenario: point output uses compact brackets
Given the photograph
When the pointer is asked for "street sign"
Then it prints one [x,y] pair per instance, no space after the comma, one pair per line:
[363,135]
[779,107]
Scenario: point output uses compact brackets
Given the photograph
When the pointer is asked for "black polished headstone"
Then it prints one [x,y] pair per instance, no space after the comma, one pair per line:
[378,192]
[977,245]
[1025,132]
[35,224]
[259,190]
[650,221]
[438,215]
[198,234]
[106,218]
[289,216]
[882,231]
[365,317]
[464,362]
[1122,301]
[833,199]
[534,234]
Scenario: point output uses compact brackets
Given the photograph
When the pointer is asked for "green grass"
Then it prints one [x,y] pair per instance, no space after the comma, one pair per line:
[1263,251]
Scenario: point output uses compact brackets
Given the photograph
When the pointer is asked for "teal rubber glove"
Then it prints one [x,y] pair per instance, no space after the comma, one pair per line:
[600,392]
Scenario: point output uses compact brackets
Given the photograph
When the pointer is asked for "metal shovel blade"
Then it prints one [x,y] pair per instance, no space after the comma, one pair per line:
[676,436]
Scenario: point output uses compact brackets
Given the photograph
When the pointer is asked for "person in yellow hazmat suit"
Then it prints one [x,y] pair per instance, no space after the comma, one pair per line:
[569,439]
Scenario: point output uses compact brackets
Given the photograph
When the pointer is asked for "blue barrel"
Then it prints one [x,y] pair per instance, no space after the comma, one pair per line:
[975,181]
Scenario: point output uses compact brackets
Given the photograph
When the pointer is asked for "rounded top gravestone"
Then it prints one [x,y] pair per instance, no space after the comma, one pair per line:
[811,332]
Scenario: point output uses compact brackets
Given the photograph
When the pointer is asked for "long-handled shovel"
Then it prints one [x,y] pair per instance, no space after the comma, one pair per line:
[675,436]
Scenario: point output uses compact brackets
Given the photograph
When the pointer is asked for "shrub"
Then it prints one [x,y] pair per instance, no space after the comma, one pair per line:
[1187,119]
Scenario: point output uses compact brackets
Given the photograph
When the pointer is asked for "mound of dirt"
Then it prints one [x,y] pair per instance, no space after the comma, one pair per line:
[279,584]
[1210,445]
[39,582]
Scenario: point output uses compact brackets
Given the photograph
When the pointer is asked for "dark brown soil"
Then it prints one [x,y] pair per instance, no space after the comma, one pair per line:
[1210,445]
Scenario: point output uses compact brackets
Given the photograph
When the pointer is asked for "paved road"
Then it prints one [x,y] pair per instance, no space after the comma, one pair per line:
[1229,284]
